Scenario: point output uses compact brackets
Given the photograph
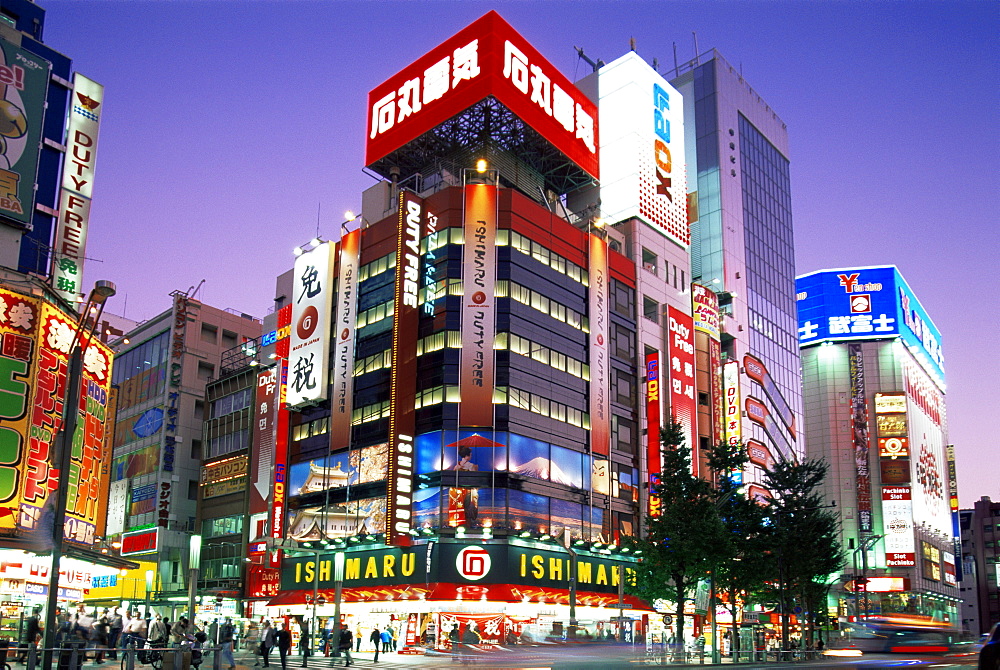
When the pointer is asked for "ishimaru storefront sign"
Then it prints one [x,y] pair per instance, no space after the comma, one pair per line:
[460,563]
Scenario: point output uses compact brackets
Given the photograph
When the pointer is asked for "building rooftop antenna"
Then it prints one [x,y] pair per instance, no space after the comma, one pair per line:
[595,65]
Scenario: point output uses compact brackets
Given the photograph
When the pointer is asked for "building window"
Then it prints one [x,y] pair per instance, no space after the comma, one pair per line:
[196,450]
[205,371]
[649,261]
[209,333]
[192,489]
[228,339]
[226,525]
[650,309]
[234,402]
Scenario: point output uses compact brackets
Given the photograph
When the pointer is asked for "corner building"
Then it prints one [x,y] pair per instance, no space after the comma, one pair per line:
[874,385]
[470,442]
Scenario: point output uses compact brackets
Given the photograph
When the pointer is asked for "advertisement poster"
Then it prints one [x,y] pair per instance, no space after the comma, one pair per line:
[25,78]
[680,350]
[897,522]
[477,376]
[309,347]
[600,361]
[859,433]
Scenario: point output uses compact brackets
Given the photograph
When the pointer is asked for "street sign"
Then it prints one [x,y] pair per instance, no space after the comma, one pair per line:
[667,619]
[751,617]
[621,606]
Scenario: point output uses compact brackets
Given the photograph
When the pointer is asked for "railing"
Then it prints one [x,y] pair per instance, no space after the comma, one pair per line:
[71,655]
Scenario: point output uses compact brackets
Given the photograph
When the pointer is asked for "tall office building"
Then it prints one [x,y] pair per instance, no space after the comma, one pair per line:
[741,249]
[874,389]
[980,527]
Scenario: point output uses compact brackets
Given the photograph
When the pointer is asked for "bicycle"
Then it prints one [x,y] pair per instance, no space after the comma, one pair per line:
[146,655]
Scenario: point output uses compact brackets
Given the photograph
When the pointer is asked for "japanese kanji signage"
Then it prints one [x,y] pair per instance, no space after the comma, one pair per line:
[487,58]
[312,305]
[87,479]
[478,306]
[733,409]
[70,242]
[897,523]
[683,404]
[864,304]
[263,443]
[860,437]
[23,81]
[600,360]
[19,377]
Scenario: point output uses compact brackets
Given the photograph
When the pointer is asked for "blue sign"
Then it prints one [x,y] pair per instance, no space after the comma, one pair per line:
[149,423]
[864,304]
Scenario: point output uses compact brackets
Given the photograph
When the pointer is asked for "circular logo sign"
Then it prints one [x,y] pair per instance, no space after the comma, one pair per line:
[479,297]
[307,322]
[345,333]
[473,563]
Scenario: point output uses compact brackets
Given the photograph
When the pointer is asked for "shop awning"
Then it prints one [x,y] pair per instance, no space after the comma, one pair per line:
[443,591]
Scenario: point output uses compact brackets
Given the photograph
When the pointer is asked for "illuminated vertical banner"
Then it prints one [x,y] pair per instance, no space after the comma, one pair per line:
[654,458]
[342,403]
[953,490]
[600,361]
[859,433]
[683,404]
[278,485]
[733,411]
[705,312]
[478,306]
[260,465]
[17,379]
[897,523]
[403,376]
[312,304]
[70,243]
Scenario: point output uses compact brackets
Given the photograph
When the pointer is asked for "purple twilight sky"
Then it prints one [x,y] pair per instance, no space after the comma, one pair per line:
[227,125]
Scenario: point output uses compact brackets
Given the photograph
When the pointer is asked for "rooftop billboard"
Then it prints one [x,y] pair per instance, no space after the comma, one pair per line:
[487,58]
[864,304]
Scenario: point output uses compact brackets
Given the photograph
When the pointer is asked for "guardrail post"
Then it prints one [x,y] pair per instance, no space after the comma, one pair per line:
[130,656]
[32,658]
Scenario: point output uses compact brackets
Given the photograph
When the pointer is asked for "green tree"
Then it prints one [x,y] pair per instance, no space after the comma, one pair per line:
[746,566]
[686,538]
[803,534]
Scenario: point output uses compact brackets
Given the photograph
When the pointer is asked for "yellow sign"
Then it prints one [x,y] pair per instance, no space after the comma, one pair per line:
[222,470]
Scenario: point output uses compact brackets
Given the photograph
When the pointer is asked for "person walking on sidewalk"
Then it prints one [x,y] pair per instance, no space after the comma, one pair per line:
[358,637]
[267,640]
[376,639]
[346,643]
[283,641]
[115,633]
[226,636]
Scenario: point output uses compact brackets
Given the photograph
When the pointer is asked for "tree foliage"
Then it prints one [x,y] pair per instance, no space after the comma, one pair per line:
[687,538]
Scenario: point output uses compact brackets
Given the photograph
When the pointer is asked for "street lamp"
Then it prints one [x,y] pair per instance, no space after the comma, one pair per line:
[64,453]
[149,590]
[194,561]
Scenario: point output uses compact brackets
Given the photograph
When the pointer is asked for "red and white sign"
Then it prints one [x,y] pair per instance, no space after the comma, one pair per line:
[759,454]
[734,416]
[141,542]
[893,447]
[473,563]
[478,306]
[263,582]
[266,415]
[897,524]
[683,404]
[487,58]
[600,362]
[309,349]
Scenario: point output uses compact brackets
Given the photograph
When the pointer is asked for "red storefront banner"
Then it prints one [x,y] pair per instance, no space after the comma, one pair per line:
[278,486]
[600,372]
[718,392]
[654,462]
[683,404]
[477,375]
[345,312]
[260,465]
[403,377]
[487,58]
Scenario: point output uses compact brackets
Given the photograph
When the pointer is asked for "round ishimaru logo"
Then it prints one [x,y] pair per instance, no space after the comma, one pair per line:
[473,563]
[479,297]
[344,333]
[307,322]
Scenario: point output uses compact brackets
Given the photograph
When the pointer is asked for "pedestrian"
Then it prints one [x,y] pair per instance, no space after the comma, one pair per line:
[213,633]
[393,637]
[346,642]
[226,638]
[134,632]
[158,632]
[179,631]
[386,640]
[32,631]
[283,641]
[455,639]
[358,637]
[115,633]
[305,644]
[376,639]
[267,640]
[102,629]
[470,638]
